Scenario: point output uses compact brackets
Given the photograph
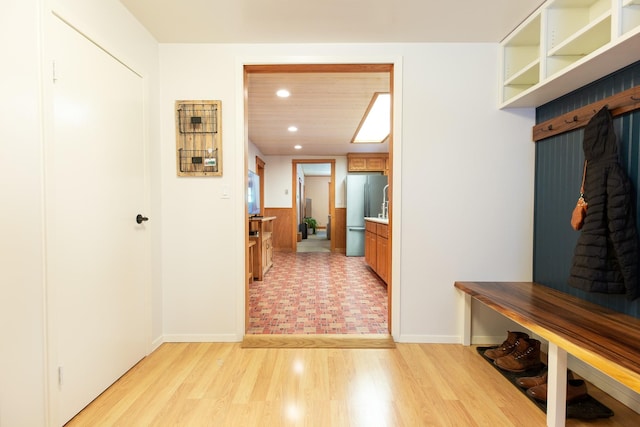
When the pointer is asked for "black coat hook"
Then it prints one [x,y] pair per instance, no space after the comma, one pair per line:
[575,119]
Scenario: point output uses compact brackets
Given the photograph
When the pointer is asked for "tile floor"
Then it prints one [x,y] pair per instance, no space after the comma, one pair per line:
[318,293]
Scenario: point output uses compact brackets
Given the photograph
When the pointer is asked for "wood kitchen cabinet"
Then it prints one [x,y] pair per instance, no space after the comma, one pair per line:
[261,230]
[370,244]
[382,253]
[368,162]
[251,247]
[376,248]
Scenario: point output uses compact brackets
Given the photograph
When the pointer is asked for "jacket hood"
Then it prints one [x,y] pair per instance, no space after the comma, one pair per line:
[600,141]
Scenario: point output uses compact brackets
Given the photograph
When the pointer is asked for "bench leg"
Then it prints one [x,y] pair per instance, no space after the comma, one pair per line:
[466,319]
[557,387]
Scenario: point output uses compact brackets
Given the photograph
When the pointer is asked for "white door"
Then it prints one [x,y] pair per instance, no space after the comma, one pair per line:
[97,254]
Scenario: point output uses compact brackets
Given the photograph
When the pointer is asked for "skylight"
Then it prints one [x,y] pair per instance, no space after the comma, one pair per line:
[376,123]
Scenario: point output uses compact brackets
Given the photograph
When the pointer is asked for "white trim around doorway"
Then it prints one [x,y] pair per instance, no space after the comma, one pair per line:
[241,148]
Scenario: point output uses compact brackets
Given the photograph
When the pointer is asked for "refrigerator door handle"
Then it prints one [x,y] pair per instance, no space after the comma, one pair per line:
[366,200]
[356,228]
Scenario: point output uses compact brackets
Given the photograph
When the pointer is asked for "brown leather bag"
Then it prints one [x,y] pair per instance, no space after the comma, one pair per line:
[580,211]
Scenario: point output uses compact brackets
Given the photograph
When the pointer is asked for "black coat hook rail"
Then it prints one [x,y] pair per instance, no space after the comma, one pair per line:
[620,103]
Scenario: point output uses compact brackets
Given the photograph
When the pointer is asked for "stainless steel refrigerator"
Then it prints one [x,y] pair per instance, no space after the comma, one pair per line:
[364,199]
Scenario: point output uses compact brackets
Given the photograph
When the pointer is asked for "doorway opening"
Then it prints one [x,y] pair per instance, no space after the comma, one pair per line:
[304,205]
[314,201]
[333,226]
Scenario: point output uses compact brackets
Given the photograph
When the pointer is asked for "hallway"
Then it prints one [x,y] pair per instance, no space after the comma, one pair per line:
[318,293]
[317,242]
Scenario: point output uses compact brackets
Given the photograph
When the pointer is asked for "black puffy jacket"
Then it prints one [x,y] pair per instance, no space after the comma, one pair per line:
[606,255]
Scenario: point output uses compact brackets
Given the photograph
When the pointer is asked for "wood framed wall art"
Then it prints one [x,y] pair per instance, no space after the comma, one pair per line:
[198,138]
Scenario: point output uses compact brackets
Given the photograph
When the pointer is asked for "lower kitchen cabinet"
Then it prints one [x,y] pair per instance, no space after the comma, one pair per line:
[376,248]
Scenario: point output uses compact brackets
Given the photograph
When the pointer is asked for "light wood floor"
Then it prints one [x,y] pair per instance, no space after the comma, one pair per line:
[213,384]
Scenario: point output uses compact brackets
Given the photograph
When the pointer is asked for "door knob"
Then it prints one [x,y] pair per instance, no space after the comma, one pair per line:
[140,219]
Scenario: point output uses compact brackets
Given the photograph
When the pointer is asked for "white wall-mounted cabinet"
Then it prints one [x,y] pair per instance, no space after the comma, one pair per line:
[521,56]
[630,16]
[566,44]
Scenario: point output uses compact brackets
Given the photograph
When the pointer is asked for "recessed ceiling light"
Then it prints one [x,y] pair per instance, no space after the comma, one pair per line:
[283,93]
[292,129]
[297,147]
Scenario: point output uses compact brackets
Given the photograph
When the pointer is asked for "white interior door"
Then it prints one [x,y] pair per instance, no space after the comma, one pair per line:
[97,254]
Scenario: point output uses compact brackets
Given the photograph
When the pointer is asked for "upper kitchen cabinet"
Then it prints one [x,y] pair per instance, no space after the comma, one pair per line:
[368,162]
[564,45]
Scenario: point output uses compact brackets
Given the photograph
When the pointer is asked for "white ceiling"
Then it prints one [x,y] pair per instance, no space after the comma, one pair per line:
[326,108]
[329,21]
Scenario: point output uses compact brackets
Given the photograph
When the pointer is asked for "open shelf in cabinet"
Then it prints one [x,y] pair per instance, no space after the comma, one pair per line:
[580,45]
[521,59]
[630,19]
[527,76]
[567,18]
[575,29]
[586,40]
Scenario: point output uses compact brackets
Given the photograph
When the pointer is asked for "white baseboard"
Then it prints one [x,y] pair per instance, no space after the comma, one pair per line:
[487,340]
[156,343]
[448,339]
[428,339]
[202,338]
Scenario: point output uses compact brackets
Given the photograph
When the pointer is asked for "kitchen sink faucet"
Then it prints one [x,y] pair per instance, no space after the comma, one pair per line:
[385,202]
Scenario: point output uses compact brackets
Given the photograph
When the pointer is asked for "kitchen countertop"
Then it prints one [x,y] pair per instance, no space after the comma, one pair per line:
[378,220]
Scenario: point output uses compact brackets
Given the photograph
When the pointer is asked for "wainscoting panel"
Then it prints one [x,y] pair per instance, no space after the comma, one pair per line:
[282,229]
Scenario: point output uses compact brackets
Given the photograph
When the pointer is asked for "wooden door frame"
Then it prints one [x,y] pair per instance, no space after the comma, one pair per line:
[332,196]
[260,172]
[330,67]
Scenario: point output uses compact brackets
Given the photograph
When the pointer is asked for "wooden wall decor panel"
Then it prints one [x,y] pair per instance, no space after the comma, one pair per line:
[340,225]
[282,232]
[199,138]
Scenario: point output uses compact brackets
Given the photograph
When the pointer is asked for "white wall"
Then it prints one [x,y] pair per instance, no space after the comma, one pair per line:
[467,194]
[317,189]
[278,179]
[253,152]
[463,170]
[25,85]
[22,384]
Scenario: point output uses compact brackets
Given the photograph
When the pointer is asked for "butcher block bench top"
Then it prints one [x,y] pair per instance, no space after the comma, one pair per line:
[607,340]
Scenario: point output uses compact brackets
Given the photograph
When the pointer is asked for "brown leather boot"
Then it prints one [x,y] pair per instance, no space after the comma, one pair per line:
[507,346]
[576,390]
[525,356]
[528,382]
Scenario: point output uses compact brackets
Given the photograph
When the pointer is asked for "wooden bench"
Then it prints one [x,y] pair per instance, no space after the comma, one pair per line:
[607,340]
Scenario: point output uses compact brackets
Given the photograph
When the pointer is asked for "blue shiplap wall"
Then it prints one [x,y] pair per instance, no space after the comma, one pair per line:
[559,162]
